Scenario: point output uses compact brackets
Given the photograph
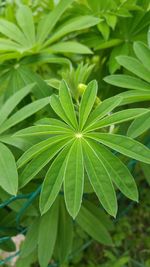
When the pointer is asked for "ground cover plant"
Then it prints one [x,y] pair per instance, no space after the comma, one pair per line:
[74,133]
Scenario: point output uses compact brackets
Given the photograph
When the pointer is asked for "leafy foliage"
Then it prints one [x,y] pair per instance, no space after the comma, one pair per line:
[80,151]
[69,160]
[141,82]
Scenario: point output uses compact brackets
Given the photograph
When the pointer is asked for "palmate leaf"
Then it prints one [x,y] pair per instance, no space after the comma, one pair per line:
[142,70]
[117,117]
[8,171]
[53,180]
[25,21]
[31,240]
[57,107]
[25,38]
[69,47]
[24,75]
[98,212]
[148,37]
[129,63]
[39,161]
[103,109]
[126,81]
[47,23]
[80,150]
[13,32]
[87,103]
[134,96]
[74,24]
[13,101]
[38,148]
[67,104]
[139,125]
[44,130]
[74,178]
[124,145]
[100,179]
[65,233]
[143,53]
[8,46]
[119,173]
[94,226]
[47,234]
[24,113]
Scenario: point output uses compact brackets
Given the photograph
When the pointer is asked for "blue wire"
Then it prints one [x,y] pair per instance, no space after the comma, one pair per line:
[27,204]
[10,200]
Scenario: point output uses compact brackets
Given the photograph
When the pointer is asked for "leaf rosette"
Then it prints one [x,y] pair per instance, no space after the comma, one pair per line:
[76,144]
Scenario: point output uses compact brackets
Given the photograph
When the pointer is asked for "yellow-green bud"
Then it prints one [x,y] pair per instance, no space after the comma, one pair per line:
[95,59]
[81,88]
[97,102]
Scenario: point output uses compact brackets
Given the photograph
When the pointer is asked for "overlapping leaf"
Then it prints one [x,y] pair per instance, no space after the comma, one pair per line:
[140,83]
[24,37]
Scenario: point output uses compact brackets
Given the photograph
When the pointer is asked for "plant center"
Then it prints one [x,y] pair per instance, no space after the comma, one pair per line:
[78,135]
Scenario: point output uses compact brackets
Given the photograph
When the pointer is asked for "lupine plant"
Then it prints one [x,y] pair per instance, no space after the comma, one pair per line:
[74,130]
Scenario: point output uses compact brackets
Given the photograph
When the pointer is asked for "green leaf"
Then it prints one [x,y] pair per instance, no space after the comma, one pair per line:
[93,226]
[9,45]
[24,113]
[25,21]
[69,47]
[39,162]
[119,173]
[111,20]
[87,103]
[129,63]
[101,6]
[148,37]
[103,109]
[117,117]
[31,240]
[99,212]
[124,145]
[18,142]
[139,125]
[146,170]
[74,179]
[41,89]
[126,81]
[143,53]
[53,181]
[122,49]
[39,148]
[107,44]
[57,107]
[43,130]
[74,24]
[8,55]
[52,122]
[13,101]
[65,233]
[100,178]
[104,29]
[48,22]
[8,171]
[10,30]
[28,260]
[67,104]
[47,235]
[134,96]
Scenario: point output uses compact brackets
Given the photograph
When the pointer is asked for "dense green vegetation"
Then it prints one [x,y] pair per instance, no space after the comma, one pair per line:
[74,133]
